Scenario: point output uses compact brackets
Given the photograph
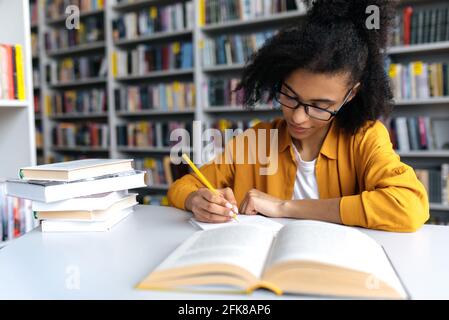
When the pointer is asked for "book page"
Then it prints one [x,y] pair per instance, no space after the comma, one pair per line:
[77,164]
[243,245]
[333,244]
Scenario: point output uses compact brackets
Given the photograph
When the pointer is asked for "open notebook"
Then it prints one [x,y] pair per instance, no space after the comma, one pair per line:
[305,257]
[256,220]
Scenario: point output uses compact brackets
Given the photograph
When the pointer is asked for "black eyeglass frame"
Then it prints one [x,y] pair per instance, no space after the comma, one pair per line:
[306,105]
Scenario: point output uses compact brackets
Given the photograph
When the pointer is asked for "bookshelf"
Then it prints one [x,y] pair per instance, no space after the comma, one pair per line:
[57,44]
[18,144]
[426,45]
[199,34]
[16,116]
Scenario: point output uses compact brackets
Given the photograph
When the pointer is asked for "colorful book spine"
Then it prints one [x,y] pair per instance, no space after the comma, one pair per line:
[92,101]
[55,9]
[12,80]
[418,133]
[171,18]
[165,97]
[419,80]
[419,24]
[144,134]
[72,135]
[219,11]
[16,216]
[90,30]
[148,58]
[233,49]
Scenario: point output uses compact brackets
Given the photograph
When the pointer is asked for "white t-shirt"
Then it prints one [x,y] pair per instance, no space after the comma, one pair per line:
[306,186]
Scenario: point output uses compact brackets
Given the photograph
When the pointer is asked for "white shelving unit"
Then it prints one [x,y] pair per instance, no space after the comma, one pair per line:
[17,145]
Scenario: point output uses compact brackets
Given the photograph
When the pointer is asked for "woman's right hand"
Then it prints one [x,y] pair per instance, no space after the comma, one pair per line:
[209,207]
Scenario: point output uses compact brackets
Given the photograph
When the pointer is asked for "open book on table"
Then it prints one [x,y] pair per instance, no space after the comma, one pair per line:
[305,257]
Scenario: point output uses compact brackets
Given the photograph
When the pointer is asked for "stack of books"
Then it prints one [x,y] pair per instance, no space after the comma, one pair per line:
[80,195]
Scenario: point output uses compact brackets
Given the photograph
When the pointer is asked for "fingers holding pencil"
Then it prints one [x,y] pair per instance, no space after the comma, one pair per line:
[212,196]
[208,206]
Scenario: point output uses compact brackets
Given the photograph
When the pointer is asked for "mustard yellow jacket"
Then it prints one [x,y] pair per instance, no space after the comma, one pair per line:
[377,190]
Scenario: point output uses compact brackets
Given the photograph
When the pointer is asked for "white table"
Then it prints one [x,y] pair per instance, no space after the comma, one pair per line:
[109,265]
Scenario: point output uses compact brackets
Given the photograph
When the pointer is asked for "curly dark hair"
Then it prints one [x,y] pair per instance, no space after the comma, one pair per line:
[332,39]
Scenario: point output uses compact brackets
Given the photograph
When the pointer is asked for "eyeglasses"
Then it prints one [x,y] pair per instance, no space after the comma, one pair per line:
[312,111]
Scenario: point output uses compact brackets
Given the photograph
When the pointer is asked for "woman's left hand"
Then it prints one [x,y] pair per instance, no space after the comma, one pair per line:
[257,201]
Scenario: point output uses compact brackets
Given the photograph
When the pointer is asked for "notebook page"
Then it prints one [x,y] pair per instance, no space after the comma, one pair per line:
[256,220]
[333,244]
[242,245]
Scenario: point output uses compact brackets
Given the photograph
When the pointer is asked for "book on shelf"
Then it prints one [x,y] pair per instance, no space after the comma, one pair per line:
[239,125]
[145,59]
[55,9]
[16,216]
[164,96]
[86,226]
[347,262]
[37,104]
[34,44]
[149,133]
[90,101]
[160,171]
[39,136]
[435,220]
[155,19]
[88,134]
[51,191]
[436,183]
[154,200]
[40,159]
[92,202]
[222,92]
[219,11]
[90,30]
[58,157]
[76,69]
[34,12]
[76,214]
[419,80]
[76,170]
[419,133]
[417,25]
[36,75]
[12,72]
[233,49]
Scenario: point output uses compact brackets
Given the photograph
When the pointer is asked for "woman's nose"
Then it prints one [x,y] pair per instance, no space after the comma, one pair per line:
[300,115]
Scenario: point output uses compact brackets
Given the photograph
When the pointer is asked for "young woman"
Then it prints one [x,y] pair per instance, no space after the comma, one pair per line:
[335,159]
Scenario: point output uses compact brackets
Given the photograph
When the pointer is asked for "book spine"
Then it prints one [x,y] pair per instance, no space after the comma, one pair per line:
[10,72]
[408,11]
[445,183]
[20,73]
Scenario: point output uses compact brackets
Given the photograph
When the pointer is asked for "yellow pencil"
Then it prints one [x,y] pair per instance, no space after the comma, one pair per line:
[203,178]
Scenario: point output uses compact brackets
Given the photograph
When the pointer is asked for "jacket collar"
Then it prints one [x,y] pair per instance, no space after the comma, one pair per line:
[329,147]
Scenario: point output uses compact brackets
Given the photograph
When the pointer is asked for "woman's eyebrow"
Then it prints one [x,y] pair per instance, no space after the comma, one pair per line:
[322,100]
